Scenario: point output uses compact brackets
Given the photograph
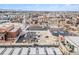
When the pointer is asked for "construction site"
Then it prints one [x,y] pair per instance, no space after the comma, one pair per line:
[39,33]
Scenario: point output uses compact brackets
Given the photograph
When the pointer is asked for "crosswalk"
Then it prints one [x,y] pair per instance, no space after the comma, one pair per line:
[30,51]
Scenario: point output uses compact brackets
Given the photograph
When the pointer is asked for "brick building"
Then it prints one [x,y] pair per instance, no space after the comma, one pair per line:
[9,32]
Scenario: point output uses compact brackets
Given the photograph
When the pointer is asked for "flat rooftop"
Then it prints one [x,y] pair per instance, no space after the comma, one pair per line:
[30,51]
[73,40]
[36,28]
[10,24]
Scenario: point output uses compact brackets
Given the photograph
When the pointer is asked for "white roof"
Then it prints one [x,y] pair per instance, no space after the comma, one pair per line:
[7,51]
[41,50]
[54,26]
[29,50]
[24,51]
[16,51]
[73,40]
[32,51]
[58,52]
[50,51]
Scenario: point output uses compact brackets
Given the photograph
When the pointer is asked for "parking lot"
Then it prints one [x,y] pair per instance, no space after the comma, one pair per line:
[29,36]
[39,38]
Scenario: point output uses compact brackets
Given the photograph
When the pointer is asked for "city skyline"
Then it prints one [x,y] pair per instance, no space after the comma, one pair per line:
[41,7]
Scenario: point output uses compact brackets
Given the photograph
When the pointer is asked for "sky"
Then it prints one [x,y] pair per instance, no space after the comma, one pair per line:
[41,7]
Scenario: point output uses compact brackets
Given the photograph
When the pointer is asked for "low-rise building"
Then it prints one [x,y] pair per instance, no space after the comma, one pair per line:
[71,43]
[9,32]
